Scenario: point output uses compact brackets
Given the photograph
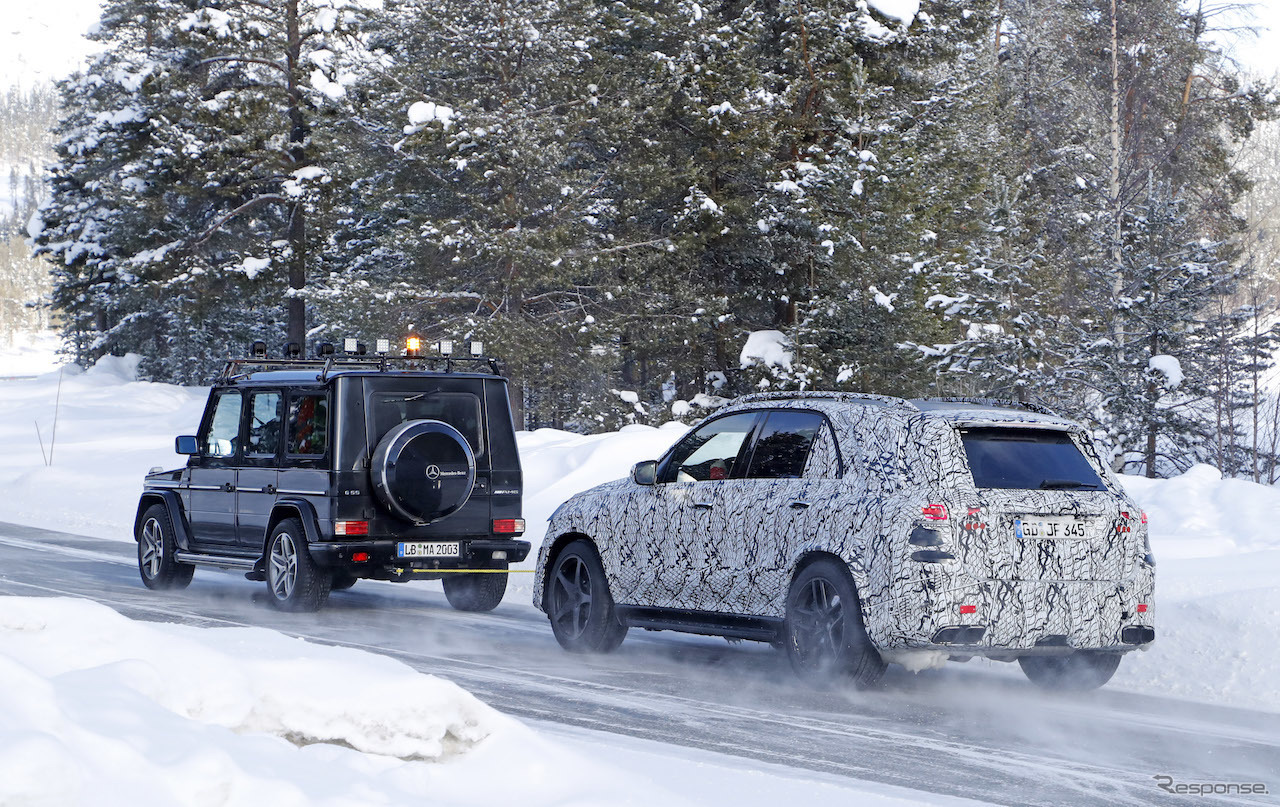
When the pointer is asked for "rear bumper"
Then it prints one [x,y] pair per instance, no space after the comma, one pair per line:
[1007,619]
[474,553]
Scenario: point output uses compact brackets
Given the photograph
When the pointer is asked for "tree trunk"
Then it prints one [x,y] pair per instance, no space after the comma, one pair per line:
[297,235]
[1117,258]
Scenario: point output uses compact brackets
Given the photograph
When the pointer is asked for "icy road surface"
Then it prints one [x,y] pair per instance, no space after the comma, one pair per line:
[979,734]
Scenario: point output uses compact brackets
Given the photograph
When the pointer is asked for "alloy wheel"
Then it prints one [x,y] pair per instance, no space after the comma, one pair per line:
[152,540]
[819,623]
[284,566]
[571,597]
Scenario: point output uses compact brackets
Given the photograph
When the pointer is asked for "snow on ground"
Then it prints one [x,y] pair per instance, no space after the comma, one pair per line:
[98,709]
[1216,541]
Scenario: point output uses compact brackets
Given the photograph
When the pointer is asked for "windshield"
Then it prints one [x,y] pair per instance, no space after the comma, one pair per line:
[1027,459]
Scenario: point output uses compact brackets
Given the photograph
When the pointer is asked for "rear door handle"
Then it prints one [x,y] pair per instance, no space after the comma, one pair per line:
[269,489]
[799,504]
[228,486]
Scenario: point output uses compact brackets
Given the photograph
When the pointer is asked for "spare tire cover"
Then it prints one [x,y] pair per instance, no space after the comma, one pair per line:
[423,470]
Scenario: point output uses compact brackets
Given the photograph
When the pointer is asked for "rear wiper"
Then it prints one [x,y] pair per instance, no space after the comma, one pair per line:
[1067,484]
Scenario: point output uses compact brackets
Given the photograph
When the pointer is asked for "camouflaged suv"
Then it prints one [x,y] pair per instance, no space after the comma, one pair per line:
[857,530]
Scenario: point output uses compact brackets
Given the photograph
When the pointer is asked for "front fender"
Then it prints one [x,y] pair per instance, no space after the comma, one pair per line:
[177,518]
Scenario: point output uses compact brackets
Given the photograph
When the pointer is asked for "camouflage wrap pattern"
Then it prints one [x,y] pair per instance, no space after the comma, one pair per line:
[733,546]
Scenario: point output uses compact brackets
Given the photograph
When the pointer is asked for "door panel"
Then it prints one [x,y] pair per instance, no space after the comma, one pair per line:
[213,505]
[690,514]
[258,477]
[213,474]
[781,487]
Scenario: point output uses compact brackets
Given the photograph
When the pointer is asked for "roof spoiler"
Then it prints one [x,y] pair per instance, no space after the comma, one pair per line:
[995,402]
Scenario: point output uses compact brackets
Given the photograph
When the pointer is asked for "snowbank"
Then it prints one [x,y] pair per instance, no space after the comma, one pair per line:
[98,709]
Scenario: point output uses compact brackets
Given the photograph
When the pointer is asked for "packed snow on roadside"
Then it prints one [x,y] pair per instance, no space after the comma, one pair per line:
[99,709]
[1217,608]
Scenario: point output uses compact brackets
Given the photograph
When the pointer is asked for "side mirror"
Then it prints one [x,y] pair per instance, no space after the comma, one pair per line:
[645,473]
[186,444]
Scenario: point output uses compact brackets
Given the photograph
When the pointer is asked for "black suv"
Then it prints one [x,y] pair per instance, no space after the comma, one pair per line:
[313,473]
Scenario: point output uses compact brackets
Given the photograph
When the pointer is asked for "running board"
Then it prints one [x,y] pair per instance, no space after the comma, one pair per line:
[225,561]
[731,626]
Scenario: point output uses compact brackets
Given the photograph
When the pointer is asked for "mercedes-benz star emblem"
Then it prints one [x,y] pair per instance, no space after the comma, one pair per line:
[433,472]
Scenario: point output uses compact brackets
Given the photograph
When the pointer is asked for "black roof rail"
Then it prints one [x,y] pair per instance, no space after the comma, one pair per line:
[848,397]
[238,368]
[995,402]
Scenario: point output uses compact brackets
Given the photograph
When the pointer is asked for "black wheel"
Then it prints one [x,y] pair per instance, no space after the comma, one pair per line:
[156,546]
[1080,671]
[341,581]
[293,579]
[579,604]
[475,592]
[824,634]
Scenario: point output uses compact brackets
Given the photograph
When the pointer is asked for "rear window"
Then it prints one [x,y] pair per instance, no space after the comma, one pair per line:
[461,410]
[1027,459]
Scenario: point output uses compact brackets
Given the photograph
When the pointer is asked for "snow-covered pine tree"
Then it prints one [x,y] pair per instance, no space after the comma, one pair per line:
[1167,110]
[178,220]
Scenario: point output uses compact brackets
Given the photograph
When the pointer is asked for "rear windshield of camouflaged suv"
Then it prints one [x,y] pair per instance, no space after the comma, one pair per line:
[1027,459]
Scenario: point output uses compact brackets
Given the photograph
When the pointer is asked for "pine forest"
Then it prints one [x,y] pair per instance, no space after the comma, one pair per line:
[646,207]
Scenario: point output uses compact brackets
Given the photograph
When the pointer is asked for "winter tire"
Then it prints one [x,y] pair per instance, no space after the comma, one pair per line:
[579,604]
[341,581]
[1080,671]
[824,634]
[156,548]
[475,592]
[293,579]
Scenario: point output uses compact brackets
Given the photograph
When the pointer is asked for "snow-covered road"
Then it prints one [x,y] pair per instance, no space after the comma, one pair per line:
[979,733]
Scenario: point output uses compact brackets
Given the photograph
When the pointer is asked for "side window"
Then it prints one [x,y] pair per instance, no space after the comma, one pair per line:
[308,424]
[223,436]
[709,453]
[264,424]
[783,446]
[825,461]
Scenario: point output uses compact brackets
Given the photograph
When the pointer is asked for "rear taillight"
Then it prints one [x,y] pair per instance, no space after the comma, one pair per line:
[360,557]
[934,512]
[1144,516]
[351,528]
[508,526]
[1142,608]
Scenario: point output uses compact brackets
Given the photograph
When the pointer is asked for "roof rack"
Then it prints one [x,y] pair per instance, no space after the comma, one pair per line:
[238,368]
[996,402]
[848,397]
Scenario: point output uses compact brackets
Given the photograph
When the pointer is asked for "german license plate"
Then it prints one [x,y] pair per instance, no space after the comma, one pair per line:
[422,549]
[1049,528]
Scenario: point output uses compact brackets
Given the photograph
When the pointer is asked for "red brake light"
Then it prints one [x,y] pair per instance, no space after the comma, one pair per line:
[360,557]
[968,609]
[1142,608]
[1144,516]
[934,512]
[508,526]
[351,528]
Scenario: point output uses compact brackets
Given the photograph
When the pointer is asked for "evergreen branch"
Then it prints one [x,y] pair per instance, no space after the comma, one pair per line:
[250,59]
[217,225]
